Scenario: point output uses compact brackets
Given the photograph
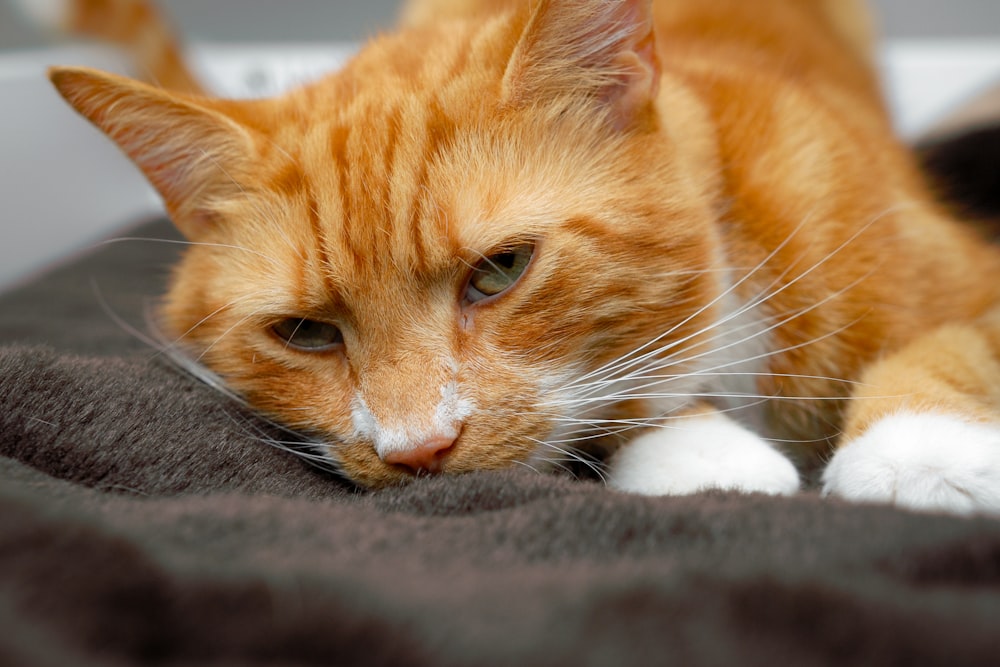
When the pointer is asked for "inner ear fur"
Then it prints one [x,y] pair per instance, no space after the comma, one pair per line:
[189,150]
[602,49]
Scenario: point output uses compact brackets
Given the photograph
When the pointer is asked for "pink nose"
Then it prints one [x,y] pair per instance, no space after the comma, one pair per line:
[428,456]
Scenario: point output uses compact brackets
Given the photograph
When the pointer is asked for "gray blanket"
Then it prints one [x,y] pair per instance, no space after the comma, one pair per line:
[145,519]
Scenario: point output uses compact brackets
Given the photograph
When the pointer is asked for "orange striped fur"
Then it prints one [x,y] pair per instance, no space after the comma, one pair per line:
[720,216]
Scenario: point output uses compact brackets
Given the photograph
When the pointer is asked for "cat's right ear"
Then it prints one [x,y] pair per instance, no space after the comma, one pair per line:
[601,49]
[190,152]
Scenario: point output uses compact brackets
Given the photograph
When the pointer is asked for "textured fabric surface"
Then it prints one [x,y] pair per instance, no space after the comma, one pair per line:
[144,519]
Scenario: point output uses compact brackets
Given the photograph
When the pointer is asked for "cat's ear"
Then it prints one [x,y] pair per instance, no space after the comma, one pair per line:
[189,151]
[604,49]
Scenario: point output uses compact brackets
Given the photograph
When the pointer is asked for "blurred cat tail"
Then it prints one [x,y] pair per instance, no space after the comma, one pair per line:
[135,26]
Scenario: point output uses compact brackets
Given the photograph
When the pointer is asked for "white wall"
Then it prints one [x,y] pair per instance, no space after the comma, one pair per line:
[323,20]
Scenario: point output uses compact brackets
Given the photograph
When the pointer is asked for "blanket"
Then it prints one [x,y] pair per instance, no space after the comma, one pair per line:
[146,519]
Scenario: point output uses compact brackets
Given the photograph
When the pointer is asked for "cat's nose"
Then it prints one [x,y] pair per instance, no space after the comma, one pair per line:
[425,457]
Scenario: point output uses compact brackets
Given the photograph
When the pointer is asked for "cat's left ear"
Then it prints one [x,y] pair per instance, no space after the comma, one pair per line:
[604,49]
[192,153]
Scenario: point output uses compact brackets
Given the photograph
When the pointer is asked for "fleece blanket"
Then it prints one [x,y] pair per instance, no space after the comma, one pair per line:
[145,519]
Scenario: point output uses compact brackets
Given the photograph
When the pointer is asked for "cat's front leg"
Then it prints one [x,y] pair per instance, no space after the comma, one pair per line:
[925,461]
[923,428]
[701,451]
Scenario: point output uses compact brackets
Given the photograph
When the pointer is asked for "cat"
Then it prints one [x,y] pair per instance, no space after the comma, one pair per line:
[680,236]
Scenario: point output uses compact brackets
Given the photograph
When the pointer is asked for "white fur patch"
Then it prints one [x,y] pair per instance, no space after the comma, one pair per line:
[707,451]
[921,461]
[48,14]
[445,421]
[453,409]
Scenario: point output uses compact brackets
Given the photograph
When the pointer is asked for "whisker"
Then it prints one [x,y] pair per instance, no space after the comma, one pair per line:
[208,317]
[225,333]
[199,372]
[194,369]
[672,360]
[117,319]
[316,460]
[530,467]
[625,362]
[766,295]
[641,369]
[570,456]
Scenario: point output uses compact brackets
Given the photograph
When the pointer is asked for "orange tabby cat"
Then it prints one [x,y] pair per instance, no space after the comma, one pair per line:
[673,232]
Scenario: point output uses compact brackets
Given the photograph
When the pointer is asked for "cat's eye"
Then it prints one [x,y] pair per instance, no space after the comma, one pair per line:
[308,335]
[496,273]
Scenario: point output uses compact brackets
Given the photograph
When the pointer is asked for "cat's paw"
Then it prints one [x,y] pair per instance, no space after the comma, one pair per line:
[705,451]
[921,461]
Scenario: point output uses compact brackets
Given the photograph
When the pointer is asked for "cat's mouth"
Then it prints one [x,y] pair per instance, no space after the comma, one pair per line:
[468,451]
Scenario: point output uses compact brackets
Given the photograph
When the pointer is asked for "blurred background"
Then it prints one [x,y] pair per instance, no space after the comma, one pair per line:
[63,186]
[324,20]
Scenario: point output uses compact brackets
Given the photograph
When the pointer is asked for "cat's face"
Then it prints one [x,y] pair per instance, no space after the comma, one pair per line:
[436,259]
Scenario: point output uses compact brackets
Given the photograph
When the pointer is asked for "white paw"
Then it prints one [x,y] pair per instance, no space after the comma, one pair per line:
[48,14]
[921,461]
[706,451]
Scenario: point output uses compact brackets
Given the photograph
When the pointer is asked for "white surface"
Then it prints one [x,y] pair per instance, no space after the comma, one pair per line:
[924,80]
[63,185]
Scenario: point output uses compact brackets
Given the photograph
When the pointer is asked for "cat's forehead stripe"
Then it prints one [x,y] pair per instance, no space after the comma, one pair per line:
[365,152]
[379,171]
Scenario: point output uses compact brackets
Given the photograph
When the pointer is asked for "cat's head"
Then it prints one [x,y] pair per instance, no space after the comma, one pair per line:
[447,256]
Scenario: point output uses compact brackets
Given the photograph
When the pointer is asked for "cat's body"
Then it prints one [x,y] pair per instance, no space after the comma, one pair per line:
[516,230]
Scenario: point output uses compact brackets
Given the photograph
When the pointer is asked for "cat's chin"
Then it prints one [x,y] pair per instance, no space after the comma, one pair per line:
[386,476]
[360,464]
[363,467]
